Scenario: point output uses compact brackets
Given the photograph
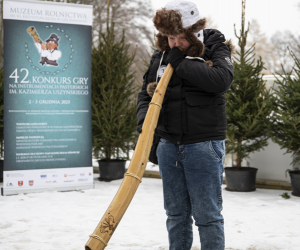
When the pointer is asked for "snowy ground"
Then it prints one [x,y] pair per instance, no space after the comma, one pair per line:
[260,220]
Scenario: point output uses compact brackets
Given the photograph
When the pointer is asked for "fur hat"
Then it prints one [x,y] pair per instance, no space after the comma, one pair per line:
[180,16]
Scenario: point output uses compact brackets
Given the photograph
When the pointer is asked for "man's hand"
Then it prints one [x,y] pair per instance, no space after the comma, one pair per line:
[175,57]
[139,129]
[43,46]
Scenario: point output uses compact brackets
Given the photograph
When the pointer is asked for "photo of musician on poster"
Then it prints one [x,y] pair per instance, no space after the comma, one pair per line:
[49,51]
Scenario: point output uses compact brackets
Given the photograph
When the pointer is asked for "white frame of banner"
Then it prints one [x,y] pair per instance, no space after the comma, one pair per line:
[56,179]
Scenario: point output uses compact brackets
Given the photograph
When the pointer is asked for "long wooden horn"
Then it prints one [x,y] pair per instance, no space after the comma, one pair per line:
[113,215]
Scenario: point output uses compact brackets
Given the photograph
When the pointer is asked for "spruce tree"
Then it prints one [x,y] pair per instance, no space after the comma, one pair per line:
[285,121]
[113,96]
[247,101]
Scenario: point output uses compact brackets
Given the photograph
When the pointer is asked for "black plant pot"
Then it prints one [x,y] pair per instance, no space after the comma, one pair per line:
[295,182]
[111,170]
[1,169]
[240,179]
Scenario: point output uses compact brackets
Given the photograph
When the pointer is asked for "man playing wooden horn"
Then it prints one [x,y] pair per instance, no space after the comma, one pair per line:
[49,51]
[189,144]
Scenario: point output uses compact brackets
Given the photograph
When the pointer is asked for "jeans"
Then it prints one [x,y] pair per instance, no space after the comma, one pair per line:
[192,176]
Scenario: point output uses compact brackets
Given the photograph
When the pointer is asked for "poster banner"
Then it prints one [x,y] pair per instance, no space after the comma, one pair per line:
[47,92]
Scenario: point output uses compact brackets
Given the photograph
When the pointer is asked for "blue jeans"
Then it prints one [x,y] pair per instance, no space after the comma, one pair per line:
[192,176]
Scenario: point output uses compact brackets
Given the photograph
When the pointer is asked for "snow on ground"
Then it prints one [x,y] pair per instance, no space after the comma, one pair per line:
[260,220]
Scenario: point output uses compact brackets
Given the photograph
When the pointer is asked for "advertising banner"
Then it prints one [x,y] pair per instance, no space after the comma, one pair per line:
[47,96]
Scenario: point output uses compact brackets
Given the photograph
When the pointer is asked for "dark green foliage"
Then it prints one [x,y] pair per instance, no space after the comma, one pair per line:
[285,121]
[285,195]
[113,98]
[248,105]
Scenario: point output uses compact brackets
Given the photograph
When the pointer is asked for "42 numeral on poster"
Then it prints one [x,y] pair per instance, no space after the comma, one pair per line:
[14,75]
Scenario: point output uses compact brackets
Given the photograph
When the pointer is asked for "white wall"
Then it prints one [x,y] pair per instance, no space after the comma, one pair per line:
[271,162]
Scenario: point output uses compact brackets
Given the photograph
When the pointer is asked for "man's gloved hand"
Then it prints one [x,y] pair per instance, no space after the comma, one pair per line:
[175,57]
[139,128]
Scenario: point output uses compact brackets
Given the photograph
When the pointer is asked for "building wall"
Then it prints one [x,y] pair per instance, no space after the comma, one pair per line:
[271,162]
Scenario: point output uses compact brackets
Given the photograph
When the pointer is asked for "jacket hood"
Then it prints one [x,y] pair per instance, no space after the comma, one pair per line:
[212,36]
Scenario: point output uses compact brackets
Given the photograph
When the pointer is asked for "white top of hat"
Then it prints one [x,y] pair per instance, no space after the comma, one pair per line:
[188,10]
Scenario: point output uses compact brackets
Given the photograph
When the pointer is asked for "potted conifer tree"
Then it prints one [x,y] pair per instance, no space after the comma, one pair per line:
[284,126]
[113,103]
[248,108]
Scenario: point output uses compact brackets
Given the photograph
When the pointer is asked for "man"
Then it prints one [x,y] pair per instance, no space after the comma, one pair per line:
[192,122]
[49,52]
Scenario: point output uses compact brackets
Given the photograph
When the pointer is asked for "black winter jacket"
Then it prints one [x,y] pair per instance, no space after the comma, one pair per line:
[193,109]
